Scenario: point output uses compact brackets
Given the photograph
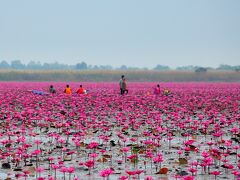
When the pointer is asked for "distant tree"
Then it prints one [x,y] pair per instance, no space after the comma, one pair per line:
[225,67]
[237,68]
[123,67]
[90,67]
[161,67]
[4,65]
[81,66]
[210,68]
[34,65]
[56,66]
[186,68]
[201,70]
[71,66]
[95,67]
[133,68]
[17,64]
[105,67]
[46,66]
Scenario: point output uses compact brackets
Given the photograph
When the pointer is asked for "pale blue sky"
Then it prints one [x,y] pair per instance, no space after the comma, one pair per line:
[139,33]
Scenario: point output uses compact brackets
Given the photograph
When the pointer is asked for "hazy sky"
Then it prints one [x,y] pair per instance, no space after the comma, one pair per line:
[139,33]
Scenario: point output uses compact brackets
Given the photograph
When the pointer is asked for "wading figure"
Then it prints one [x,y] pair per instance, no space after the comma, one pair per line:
[121,85]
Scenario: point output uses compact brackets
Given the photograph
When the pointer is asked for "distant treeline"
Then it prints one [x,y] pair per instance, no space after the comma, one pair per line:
[33,65]
[114,75]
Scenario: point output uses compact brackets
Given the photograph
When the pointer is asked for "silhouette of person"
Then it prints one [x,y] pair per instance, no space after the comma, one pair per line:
[121,85]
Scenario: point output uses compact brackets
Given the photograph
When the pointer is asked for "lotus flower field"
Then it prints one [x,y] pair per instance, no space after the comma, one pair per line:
[193,133]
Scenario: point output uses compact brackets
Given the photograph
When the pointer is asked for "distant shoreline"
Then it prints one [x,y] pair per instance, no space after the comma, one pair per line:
[114,75]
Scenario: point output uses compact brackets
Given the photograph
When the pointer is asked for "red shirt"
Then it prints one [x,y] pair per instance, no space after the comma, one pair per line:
[80,91]
[157,90]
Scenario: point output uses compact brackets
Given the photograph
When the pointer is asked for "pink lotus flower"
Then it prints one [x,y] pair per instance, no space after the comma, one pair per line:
[106,172]
[37,141]
[89,163]
[93,155]
[234,130]
[50,158]
[215,173]
[148,178]
[236,173]
[40,169]
[188,178]
[40,178]
[130,173]
[189,142]
[123,178]
[133,156]
[64,169]
[236,147]
[51,178]
[192,170]
[71,169]
[125,149]
[138,171]
[205,154]
[92,145]
[179,152]
[158,159]
[55,166]
[36,152]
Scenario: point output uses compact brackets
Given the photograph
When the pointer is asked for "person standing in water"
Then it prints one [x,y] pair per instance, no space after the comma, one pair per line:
[121,85]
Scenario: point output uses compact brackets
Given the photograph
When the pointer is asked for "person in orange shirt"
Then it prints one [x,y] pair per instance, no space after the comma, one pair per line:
[81,90]
[68,90]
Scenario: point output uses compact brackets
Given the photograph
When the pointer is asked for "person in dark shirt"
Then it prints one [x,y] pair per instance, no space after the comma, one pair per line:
[52,89]
[121,85]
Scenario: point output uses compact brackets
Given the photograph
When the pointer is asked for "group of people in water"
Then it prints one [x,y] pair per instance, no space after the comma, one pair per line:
[68,90]
[124,90]
[122,85]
